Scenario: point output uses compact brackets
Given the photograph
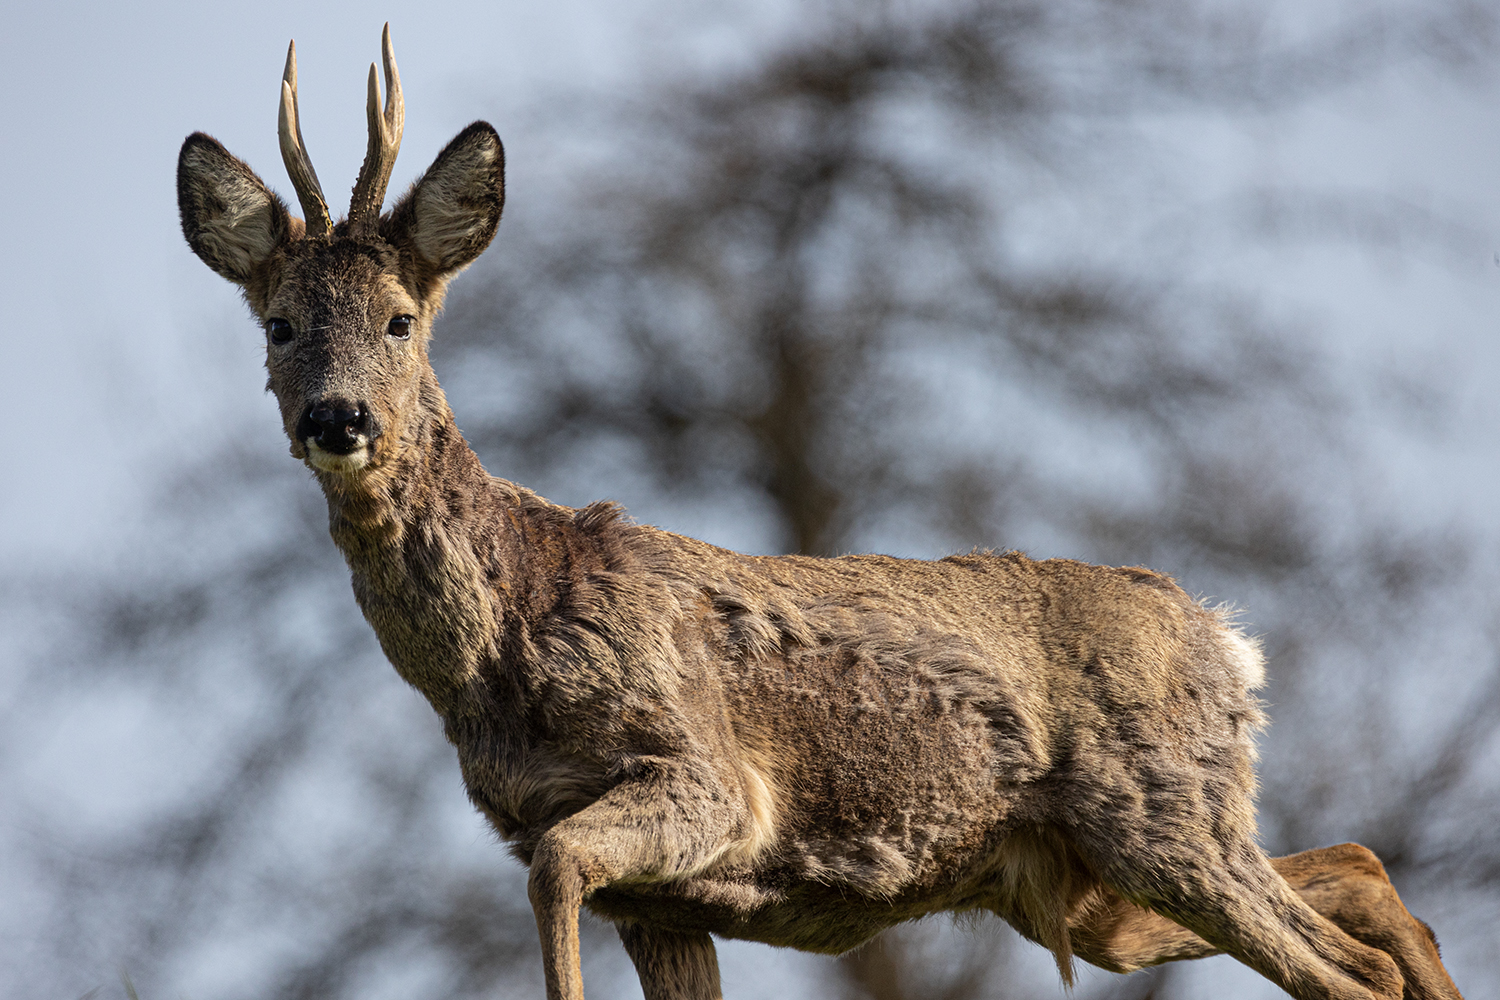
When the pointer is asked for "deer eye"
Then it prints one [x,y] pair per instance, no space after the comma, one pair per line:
[400,327]
[279,330]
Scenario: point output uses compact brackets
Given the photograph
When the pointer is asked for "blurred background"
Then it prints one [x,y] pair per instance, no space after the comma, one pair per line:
[1203,285]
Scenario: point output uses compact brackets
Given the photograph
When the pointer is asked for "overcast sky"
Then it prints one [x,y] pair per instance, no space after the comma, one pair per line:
[122,350]
[121,347]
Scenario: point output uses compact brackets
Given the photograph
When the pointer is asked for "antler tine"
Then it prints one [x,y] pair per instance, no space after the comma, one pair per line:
[294,152]
[385,141]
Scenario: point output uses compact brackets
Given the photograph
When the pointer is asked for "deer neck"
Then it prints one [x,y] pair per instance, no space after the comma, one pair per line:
[422,532]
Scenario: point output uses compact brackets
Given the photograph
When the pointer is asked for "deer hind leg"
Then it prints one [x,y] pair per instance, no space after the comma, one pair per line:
[1346,884]
[1116,934]
[1225,891]
[673,965]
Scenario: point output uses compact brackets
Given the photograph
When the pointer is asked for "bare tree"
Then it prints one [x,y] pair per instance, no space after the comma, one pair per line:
[801,298]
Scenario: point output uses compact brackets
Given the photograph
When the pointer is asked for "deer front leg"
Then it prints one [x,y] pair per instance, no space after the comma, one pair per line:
[673,965]
[667,820]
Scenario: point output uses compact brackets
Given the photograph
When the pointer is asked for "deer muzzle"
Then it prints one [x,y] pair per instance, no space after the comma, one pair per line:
[334,430]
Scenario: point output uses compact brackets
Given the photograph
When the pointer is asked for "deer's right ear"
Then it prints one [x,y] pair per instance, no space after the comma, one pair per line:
[231,219]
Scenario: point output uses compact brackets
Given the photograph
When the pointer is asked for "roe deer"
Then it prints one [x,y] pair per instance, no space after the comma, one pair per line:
[791,750]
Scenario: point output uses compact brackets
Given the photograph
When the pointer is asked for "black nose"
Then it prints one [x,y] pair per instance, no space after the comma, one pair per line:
[335,424]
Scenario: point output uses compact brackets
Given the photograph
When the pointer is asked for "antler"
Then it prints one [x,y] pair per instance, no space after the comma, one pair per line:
[385,141]
[294,153]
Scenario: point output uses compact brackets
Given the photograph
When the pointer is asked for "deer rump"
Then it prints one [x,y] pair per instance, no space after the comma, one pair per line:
[877,738]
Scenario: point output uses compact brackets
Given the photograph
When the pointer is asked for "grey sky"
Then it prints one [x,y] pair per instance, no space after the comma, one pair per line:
[122,350]
[108,363]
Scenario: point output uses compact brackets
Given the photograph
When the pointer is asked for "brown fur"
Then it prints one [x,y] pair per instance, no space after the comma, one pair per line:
[790,750]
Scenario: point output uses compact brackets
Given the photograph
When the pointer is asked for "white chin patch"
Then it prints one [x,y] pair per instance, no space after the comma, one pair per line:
[327,461]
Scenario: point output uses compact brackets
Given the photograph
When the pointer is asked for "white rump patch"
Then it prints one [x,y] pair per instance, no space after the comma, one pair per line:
[1242,653]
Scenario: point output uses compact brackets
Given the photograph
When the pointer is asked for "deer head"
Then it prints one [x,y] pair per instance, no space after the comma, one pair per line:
[347,308]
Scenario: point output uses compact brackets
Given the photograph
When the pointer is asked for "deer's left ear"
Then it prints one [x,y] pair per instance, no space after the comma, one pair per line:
[230,218]
[450,214]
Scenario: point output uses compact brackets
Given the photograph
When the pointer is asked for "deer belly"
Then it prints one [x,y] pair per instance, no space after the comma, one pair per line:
[806,916]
